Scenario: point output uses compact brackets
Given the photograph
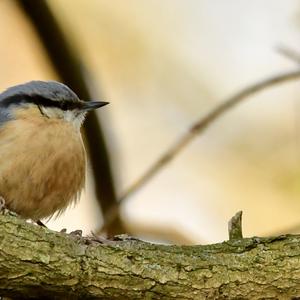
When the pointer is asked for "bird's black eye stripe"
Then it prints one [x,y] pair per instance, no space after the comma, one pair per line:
[39,100]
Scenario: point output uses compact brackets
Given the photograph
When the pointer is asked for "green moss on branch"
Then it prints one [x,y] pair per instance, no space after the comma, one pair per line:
[35,262]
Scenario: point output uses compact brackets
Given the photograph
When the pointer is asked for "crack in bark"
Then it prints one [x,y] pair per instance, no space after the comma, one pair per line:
[41,261]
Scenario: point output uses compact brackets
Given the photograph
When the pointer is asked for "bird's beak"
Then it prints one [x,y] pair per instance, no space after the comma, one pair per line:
[91,105]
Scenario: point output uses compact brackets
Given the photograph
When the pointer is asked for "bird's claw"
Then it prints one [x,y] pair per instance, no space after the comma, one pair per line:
[40,223]
[124,237]
[77,233]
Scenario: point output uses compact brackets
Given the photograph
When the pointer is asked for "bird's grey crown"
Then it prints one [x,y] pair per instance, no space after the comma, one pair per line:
[51,90]
[49,93]
[52,98]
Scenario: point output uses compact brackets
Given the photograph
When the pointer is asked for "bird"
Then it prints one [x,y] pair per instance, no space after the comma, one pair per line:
[42,155]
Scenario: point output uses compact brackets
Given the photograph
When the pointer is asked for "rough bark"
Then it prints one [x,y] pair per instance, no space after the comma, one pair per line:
[38,262]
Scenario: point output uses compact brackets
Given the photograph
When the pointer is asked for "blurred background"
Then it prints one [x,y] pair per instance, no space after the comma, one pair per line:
[163,65]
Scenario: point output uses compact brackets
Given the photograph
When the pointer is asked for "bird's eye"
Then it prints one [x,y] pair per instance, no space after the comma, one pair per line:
[64,105]
[67,105]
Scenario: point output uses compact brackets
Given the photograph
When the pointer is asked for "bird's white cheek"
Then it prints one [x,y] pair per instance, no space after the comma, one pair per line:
[75,118]
[52,112]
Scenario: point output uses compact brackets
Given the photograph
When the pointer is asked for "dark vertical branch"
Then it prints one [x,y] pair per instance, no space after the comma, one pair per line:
[69,68]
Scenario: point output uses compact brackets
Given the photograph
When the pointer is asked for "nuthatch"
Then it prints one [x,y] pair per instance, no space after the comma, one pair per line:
[42,157]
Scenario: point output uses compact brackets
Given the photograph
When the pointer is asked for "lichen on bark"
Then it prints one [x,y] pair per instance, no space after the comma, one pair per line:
[37,262]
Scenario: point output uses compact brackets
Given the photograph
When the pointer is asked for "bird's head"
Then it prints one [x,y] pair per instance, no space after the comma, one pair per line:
[52,100]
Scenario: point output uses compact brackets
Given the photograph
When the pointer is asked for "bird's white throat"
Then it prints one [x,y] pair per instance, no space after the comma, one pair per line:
[75,117]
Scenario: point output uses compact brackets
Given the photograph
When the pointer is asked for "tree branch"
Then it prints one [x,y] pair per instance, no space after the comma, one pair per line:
[198,128]
[37,262]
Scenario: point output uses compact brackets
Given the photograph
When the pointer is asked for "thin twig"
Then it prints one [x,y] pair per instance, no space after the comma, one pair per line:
[289,53]
[196,129]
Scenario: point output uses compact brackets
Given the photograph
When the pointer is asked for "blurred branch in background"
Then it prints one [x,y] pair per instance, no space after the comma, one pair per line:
[193,132]
[69,68]
[289,53]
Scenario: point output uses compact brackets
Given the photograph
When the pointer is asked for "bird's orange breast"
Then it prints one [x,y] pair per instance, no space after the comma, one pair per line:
[42,164]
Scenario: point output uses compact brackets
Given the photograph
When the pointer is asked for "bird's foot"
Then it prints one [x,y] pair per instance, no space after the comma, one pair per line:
[77,233]
[100,239]
[124,237]
[40,223]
